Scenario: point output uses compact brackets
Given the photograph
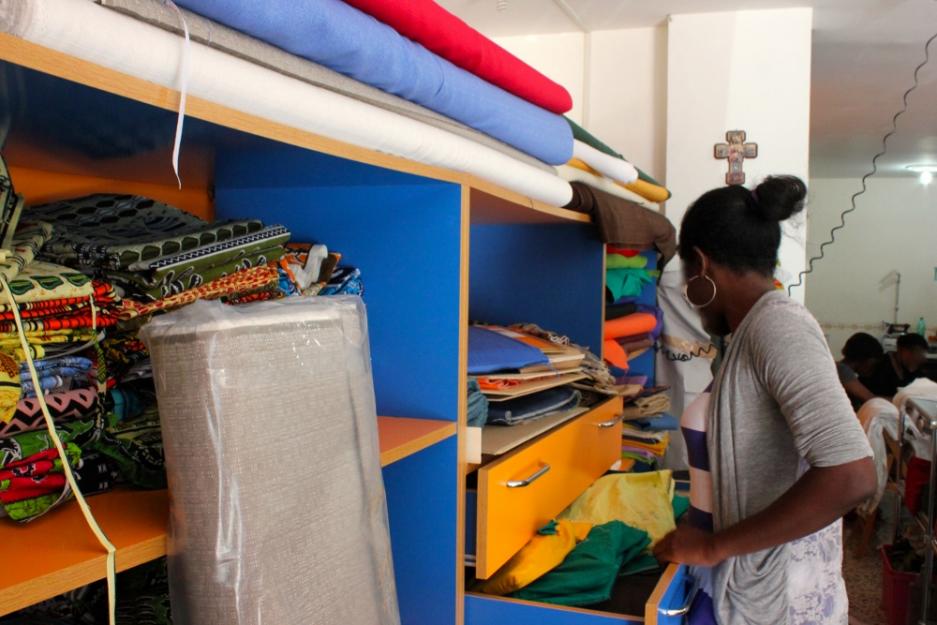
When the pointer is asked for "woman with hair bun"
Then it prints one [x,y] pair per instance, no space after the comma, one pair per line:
[778,456]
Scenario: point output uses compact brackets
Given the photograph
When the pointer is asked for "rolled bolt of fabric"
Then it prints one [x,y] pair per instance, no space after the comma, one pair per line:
[638,323]
[617,169]
[429,24]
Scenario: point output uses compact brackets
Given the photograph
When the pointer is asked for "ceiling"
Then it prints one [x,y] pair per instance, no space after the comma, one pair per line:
[864,54]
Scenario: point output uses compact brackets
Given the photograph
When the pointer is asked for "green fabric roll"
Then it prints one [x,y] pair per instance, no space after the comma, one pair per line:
[588,573]
[588,138]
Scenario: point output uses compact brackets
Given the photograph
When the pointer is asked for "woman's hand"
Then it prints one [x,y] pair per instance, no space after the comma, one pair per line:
[688,545]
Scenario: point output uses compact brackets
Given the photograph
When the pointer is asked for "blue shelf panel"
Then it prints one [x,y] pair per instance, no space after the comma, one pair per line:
[402,231]
[549,274]
[421,501]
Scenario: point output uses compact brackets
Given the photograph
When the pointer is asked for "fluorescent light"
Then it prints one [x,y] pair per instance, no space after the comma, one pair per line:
[922,167]
[926,177]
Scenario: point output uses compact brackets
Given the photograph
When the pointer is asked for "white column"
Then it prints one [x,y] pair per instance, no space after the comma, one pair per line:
[745,70]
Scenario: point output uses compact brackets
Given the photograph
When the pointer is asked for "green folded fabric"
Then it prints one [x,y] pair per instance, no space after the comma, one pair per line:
[588,138]
[588,573]
[617,261]
[680,506]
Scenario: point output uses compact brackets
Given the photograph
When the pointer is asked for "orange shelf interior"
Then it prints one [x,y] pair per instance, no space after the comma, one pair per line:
[58,553]
[402,436]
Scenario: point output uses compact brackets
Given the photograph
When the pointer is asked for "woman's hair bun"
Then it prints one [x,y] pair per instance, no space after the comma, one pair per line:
[777,198]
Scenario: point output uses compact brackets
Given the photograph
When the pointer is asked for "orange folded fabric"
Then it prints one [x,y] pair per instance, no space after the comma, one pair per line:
[638,323]
[615,354]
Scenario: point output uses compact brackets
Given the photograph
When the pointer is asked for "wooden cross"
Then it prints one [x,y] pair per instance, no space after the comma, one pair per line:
[735,151]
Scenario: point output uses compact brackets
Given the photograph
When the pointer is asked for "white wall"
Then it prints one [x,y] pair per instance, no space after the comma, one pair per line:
[560,56]
[746,70]
[618,82]
[893,228]
[627,94]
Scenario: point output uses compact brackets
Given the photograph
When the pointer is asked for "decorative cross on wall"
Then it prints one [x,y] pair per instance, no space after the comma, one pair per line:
[735,151]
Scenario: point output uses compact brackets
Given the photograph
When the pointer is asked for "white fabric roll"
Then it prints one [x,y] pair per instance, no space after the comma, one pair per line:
[615,168]
[90,32]
[574,174]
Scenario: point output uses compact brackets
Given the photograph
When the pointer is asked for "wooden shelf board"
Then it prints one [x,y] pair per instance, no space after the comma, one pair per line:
[488,208]
[497,204]
[58,553]
[402,436]
[500,439]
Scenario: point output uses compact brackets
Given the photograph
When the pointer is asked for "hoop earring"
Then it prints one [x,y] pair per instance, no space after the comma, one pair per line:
[686,292]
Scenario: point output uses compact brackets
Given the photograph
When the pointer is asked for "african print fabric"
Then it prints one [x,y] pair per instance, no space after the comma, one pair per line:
[115,231]
[264,278]
[82,403]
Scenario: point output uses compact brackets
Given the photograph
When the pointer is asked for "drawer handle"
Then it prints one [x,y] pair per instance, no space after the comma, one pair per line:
[610,423]
[690,598]
[530,480]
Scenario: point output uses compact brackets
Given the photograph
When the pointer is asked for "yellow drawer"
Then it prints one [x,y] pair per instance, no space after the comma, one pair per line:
[523,490]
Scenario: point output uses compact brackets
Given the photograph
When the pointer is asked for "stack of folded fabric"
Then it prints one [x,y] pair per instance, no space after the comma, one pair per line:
[642,450]
[524,377]
[60,324]
[629,336]
[598,378]
[596,164]
[420,52]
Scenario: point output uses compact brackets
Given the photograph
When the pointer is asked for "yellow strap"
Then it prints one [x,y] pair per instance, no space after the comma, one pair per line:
[69,475]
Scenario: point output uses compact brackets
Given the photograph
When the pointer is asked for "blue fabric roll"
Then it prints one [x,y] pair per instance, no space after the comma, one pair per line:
[334,34]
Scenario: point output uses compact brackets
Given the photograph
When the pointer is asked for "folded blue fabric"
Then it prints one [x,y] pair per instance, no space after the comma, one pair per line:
[477,412]
[662,423]
[334,34]
[490,352]
[534,406]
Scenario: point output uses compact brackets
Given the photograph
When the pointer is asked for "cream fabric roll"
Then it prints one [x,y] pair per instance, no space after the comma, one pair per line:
[615,168]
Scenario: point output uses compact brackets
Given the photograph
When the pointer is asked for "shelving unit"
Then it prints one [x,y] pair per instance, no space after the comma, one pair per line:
[417,233]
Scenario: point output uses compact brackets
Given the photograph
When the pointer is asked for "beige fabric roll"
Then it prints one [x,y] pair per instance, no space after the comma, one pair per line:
[278,515]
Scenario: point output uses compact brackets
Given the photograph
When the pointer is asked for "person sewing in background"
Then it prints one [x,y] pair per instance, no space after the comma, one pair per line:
[862,353]
[782,447]
[899,368]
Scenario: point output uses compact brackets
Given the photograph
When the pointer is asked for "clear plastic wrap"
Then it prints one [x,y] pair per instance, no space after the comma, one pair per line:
[278,513]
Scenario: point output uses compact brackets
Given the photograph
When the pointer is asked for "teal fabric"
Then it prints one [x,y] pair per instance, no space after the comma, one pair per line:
[680,506]
[627,282]
[588,573]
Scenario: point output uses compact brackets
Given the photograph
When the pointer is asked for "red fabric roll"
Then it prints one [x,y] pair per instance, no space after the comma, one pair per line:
[441,32]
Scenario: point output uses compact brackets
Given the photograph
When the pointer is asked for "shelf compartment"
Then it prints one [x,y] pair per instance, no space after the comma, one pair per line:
[402,436]
[58,552]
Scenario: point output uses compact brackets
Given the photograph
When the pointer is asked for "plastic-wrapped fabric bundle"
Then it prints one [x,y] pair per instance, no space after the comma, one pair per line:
[278,513]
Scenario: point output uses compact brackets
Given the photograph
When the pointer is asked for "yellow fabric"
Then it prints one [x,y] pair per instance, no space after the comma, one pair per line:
[657,448]
[641,500]
[10,387]
[650,192]
[541,555]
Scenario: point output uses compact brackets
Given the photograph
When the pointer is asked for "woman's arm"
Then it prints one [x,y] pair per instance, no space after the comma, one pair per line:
[819,497]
